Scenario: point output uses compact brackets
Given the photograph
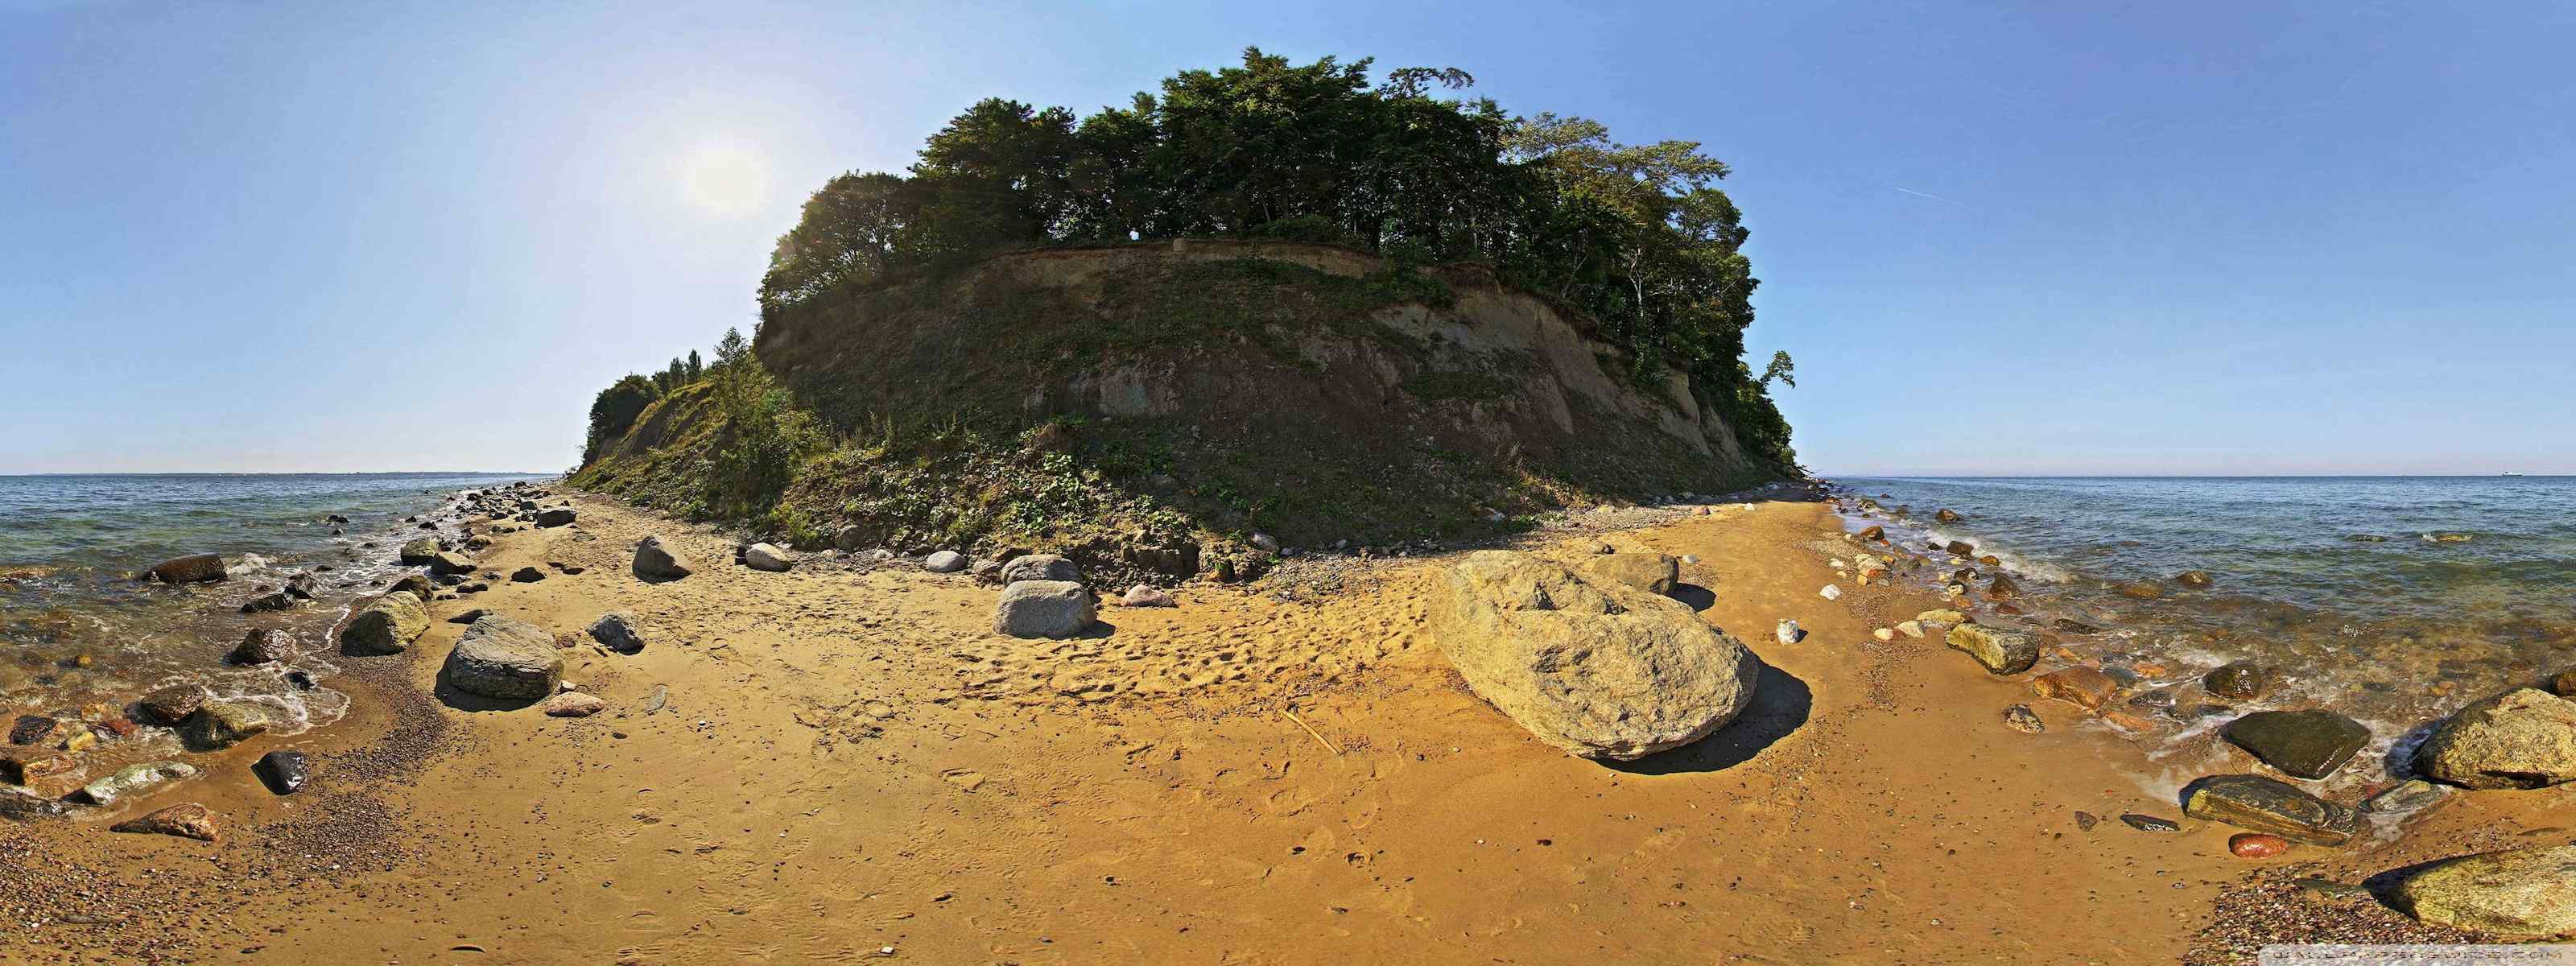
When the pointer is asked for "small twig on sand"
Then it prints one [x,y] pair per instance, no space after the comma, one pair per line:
[1310,729]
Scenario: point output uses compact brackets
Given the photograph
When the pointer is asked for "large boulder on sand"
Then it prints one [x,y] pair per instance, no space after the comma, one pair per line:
[2001,651]
[505,658]
[2517,894]
[1602,669]
[767,556]
[419,553]
[1652,572]
[386,625]
[655,560]
[556,516]
[2311,743]
[187,570]
[2524,738]
[1044,608]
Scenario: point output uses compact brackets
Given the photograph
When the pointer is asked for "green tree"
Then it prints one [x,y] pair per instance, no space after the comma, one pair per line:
[732,349]
[614,411]
[696,369]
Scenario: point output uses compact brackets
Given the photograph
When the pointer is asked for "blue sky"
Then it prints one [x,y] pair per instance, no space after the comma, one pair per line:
[2042,238]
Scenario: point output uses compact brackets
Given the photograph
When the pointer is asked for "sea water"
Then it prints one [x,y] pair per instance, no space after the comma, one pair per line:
[2391,599]
[80,637]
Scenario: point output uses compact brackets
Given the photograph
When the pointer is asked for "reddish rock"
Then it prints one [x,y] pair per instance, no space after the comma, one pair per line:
[2082,686]
[190,821]
[2256,845]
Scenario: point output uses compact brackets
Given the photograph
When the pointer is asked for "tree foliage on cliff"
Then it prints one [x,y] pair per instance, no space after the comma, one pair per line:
[613,412]
[1637,236]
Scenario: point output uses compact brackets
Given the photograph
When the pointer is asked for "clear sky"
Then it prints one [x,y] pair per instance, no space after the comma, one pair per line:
[2037,238]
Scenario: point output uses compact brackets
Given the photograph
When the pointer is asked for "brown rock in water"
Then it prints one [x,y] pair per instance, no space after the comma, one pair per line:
[2564,685]
[2310,744]
[34,729]
[2256,845]
[2003,586]
[2270,805]
[2239,680]
[2073,626]
[1600,669]
[1947,515]
[2082,686]
[2020,718]
[2524,738]
[1960,548]
[173,704]
[190,821]
[1652,572]
[2000,651]
[2516,894]
[187,570]
[2142,589]
[1875,532]
[223,724]
[2194,579]
[260,646]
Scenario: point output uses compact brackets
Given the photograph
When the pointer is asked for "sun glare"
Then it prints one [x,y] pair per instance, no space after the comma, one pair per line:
[723,179]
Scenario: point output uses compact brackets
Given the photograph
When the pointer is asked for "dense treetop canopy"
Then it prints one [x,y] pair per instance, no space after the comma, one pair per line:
[1636,236]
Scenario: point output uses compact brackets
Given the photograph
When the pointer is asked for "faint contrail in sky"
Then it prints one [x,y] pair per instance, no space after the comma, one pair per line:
[1934,197]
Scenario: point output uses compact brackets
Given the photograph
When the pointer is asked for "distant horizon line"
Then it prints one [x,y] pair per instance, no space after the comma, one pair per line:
[2193,476]
[287,473]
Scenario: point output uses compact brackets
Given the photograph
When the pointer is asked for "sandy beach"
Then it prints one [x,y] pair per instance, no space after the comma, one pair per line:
[847,763]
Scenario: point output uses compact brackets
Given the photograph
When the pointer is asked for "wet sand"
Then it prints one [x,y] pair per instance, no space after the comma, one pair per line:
[851,765]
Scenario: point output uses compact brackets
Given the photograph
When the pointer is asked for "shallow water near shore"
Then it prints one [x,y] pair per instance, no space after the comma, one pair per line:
[78,631]
[2391,599]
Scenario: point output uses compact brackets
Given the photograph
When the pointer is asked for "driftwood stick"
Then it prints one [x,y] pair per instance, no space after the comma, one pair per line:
[1310,729]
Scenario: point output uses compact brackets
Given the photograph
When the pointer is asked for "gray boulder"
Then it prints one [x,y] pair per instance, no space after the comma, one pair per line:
[656,561]
[504,658]
[1601,669]
[1044,608]
[2001,651]
[944,562]
[767,556]
[556,516]
[2516,894]
[446,562]
[617,630]
[2270,805]
[2524,738]
[386,625]
[1039,566]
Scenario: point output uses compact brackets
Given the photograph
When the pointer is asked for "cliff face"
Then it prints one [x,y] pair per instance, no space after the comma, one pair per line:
[1307,391]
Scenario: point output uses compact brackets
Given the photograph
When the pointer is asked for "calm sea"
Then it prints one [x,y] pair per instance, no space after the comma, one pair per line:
[76,630]
[2393,599]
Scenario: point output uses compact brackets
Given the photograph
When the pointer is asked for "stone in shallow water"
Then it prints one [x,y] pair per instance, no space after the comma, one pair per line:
[2270,805]
[223,724]
[2020,718]
[2000,651]
[2411,795]
[187,570]
[2239,680]
[2082,686]
[2310,744]
[261,646]
[2517,894]
[135,779]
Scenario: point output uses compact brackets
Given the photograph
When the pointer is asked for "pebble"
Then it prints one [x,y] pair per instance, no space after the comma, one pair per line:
[2256,845]
[2150,823]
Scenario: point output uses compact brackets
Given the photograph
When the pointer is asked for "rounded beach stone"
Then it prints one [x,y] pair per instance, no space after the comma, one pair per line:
[1039,566]
[2239,680]
[2516,894]
[2524,738]
[654,560]
[944,562]
[386,625]
[1602,669]
[2000,651]
[1043,608]
[504,658]
[187,570]
[767,556]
